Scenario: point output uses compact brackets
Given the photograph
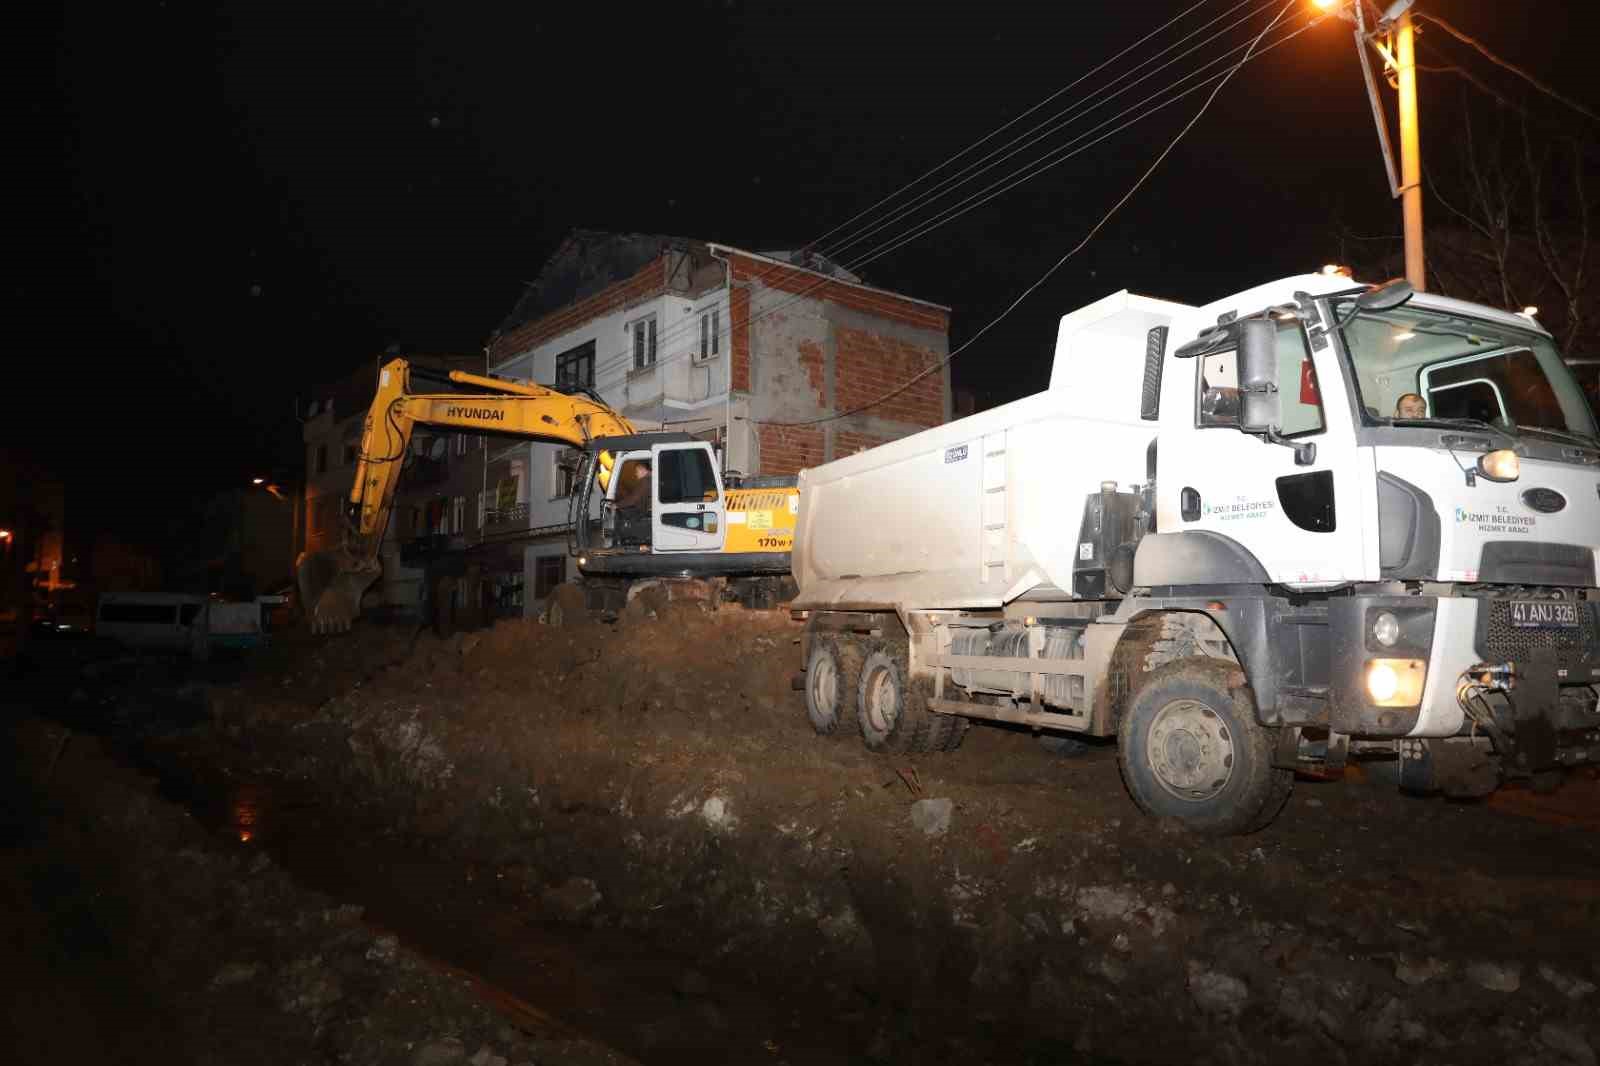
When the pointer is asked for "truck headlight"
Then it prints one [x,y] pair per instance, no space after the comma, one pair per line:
[1386,629]
[1500,465]
[1395,682]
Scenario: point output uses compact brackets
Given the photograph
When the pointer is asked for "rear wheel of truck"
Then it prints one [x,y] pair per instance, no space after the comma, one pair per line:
[833,672]
[1191,749]
[893,713]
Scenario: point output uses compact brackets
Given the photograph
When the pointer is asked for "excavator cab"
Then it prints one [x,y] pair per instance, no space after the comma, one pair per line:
[647,494]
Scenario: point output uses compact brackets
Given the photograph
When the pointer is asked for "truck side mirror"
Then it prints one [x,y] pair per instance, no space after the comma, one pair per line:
[1260,403]
[1261,409]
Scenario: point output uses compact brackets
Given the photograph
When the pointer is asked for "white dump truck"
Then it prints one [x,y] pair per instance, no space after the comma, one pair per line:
[1241,539]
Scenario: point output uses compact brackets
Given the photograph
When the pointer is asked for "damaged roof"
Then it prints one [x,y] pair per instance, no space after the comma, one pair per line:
[589,260]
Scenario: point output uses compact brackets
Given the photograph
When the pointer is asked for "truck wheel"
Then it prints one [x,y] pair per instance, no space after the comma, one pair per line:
[893,714]
[833,672]
[1191,749]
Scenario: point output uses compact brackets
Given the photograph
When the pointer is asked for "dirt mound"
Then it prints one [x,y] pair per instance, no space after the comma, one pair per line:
[664,767]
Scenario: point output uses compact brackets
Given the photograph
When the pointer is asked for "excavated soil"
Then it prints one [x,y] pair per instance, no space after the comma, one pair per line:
[656,782]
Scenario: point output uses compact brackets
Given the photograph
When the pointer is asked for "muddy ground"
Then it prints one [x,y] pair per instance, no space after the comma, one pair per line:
[633,828]
[135,935]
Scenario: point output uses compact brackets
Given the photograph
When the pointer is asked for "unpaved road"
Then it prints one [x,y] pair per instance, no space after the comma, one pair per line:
[640,815]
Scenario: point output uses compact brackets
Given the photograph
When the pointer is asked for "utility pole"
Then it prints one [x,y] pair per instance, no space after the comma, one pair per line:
[1407,185]
[1410,151]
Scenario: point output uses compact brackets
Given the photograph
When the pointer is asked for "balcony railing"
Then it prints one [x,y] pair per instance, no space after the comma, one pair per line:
[505,519]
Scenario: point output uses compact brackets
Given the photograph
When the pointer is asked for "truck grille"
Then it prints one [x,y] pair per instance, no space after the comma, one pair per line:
[1499,641]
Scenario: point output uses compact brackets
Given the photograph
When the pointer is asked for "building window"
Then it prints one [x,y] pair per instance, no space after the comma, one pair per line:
[644,343]
[575,368]
[352,452]
[319,460]
[461,444]
[483,505]
[548,572]
[566,473]
[711,333]
[458,514]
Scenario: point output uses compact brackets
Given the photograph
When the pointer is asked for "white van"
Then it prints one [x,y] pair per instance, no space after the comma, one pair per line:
[156,621]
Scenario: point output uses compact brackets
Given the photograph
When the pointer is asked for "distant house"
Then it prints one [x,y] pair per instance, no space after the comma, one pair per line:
[713,340]
[436,506]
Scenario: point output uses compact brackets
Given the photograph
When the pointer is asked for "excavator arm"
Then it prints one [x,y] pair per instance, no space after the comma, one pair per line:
[332,583]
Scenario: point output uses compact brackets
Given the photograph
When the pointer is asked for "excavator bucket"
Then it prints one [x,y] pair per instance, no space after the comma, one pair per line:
[331,586]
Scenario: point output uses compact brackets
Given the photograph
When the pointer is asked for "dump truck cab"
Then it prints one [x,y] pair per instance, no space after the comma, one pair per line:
[1414,484]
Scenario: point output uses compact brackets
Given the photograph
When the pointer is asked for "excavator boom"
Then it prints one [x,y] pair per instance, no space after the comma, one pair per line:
[332,583]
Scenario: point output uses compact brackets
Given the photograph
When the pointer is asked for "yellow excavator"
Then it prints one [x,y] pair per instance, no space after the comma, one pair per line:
[646,504]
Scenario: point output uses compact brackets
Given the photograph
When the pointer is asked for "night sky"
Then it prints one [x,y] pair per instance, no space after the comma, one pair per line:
[226,203]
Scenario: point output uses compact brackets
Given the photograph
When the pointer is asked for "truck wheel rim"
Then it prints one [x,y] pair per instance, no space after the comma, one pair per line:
[824,683]
[881,702]
[1191,750]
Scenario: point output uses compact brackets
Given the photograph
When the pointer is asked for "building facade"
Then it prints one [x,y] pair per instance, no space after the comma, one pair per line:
[775,357]
[437,505]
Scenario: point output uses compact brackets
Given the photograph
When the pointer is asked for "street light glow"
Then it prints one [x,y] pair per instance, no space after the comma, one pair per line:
[258,481]
[1326,5]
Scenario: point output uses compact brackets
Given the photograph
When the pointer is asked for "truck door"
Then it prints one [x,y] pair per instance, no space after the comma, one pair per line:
[1302,522]
[689,503]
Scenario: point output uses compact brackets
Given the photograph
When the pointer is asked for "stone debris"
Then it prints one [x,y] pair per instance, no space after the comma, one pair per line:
[235,973]
[1573,988]
[383,948]
[1568,1041]
[932,816]
[1215,992]
[485,1056]
[445,1052]
[1414,972]
[574,898]
[1495,976]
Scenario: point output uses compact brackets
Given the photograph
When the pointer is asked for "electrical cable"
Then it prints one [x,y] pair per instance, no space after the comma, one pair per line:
[1483,50]
[1083,107]
[836,253]
[1062,154]
[996,188]
[1070,252]
[1001,129]
[675,331]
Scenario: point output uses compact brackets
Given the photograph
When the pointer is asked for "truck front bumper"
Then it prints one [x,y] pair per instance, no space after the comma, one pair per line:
[1547,715]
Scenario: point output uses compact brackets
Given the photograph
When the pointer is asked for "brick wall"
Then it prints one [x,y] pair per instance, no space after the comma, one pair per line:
[784,450]
[871,365]
[847,442]
[649,282]
[739,338]
[881,304]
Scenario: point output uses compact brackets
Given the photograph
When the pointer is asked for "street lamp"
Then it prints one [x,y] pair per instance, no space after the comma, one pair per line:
[258,481]
[1407,187]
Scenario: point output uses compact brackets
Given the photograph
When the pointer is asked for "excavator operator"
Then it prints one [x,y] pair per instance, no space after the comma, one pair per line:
[634,499]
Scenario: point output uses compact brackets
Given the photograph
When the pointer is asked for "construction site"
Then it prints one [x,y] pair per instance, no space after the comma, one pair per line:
[566,843]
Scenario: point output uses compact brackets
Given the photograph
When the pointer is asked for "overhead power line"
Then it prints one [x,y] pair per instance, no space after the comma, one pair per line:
[1505,64]
[1093,230]
[1050,126]
[1003,184]
[986,138]
[677,330]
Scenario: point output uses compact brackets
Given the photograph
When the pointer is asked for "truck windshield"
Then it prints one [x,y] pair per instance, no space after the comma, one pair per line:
[1412,364]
